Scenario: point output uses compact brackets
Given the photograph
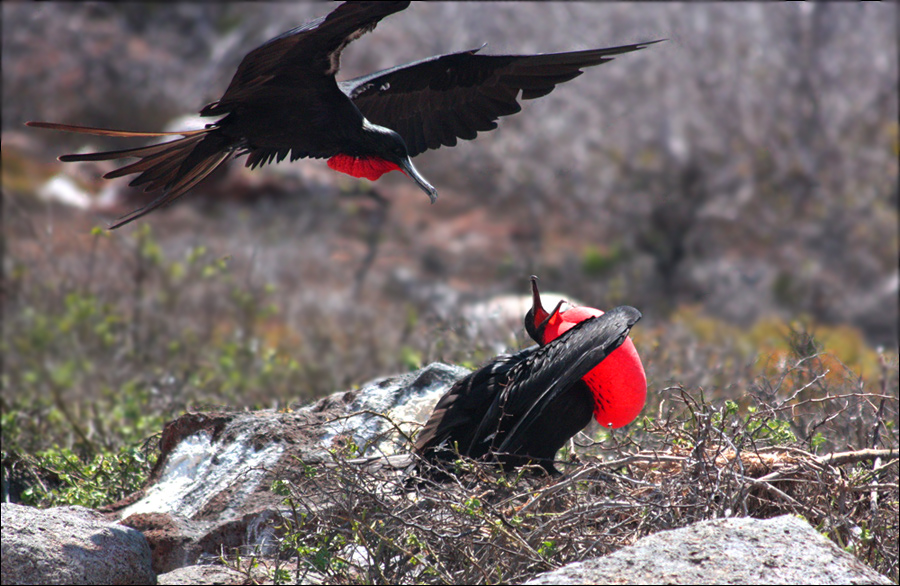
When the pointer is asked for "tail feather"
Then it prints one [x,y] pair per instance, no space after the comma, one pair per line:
[109,132]
[118,154]
[175,170]
[174,167]
[152,157]
[155,173]
[173,192]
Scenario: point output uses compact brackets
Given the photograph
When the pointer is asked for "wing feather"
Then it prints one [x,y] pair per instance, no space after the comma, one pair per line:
[303,57]
[487,84]
[564,362]
[493,408]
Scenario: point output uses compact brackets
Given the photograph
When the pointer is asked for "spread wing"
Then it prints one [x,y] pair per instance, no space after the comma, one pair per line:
[434,101]
[302,57]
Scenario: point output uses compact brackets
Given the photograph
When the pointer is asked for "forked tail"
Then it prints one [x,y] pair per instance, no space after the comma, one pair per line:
[175,166]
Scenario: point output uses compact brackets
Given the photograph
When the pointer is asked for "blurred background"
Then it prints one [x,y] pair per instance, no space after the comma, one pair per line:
[737,183]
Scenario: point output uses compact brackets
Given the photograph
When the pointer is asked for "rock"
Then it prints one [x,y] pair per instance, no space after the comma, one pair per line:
[498,320]
[782,550]
[173,540]
[203,575]
[70,545]
[407,399]
[211,486]
[64,190]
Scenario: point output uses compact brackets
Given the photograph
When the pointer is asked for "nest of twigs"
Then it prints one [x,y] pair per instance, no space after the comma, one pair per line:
[353,523]
[386,520]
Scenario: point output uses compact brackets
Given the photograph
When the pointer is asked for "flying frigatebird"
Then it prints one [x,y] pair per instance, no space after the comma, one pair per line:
[284,100]
[524,407]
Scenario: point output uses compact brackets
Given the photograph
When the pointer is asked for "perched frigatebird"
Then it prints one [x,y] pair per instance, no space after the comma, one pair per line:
[284,100]
[619,382]
[525,406]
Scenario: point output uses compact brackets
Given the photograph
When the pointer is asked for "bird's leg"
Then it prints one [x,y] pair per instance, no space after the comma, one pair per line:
[573,456]
[377,221]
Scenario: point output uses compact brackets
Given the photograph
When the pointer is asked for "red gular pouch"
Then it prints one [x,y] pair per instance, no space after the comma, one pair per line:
[370,168]
[619,383]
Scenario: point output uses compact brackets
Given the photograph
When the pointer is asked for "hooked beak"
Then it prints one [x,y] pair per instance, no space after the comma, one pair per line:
[539,314]
[407,167]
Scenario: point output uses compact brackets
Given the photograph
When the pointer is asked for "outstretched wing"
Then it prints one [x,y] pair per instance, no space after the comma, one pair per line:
[302,57]
[433,102]
[549,372]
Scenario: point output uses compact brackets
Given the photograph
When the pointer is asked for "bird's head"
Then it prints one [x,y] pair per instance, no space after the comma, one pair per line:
[544,327]
[380,150]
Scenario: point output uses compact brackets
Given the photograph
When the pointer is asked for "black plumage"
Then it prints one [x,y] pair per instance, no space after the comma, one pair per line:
[284,101]
[525,406]
[458,95]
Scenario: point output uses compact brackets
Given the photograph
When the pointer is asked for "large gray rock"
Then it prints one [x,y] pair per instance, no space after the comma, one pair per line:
[211,485]
[70,545]
[783,550]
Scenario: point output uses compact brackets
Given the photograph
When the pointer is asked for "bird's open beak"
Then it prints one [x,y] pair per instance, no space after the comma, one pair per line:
[539,314]
[408,168]
[541,317]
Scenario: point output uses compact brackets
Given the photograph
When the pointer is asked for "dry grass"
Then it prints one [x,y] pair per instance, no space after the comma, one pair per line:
[371,524]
